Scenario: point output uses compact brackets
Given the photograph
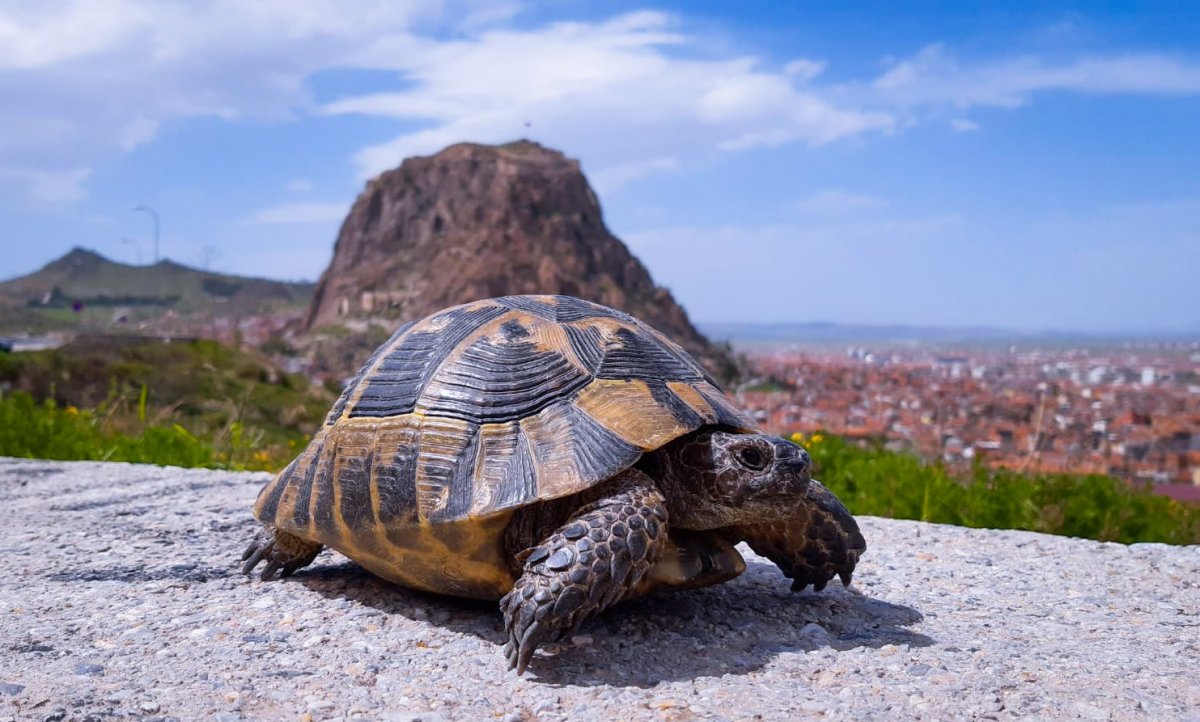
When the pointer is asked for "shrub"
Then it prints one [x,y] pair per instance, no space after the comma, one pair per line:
[872,480]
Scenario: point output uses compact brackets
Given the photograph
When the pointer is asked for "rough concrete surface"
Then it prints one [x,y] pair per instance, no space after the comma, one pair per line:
[121,599]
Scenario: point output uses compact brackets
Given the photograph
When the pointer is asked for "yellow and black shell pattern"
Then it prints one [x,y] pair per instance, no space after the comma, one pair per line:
[470,413]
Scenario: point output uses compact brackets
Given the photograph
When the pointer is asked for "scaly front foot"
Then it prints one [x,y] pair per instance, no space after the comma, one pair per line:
[593,561]
[820,541]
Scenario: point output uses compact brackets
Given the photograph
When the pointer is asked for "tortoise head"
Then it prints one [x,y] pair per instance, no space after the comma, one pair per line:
[717,478]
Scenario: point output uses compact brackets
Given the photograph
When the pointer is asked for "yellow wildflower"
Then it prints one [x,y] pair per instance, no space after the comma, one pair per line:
[797,438]
[816,439]
[72,411]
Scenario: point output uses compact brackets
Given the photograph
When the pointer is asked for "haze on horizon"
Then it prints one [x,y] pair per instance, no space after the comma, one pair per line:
[1027,168]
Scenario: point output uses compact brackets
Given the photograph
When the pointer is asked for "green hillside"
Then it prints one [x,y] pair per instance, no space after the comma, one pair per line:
[79,400]
[84,282]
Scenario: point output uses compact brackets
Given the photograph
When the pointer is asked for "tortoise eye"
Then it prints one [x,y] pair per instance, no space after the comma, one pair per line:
[751,458]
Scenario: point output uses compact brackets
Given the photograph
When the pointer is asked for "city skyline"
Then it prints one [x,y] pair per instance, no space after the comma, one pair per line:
[940,166]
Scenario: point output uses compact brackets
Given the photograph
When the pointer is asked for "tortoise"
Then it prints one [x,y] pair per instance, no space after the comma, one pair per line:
[554,454]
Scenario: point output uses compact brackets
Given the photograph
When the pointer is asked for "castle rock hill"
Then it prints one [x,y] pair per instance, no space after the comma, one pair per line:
[475,221]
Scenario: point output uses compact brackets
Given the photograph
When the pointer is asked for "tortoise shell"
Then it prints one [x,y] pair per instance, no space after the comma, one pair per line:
[474,411]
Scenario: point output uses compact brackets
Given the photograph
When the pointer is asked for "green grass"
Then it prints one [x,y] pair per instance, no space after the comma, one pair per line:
[45,431]
[143,398]
[884,483]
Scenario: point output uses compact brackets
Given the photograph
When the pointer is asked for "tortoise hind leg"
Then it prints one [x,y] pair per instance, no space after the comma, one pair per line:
[594,560]
[282,550]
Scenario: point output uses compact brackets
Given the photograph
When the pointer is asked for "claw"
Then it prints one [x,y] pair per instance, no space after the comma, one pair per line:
[528,644]
[269,571]
[845,577]
[255,554]
[524,631]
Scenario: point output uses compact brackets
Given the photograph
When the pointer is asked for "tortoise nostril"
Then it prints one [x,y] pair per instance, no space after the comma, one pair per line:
[799,457]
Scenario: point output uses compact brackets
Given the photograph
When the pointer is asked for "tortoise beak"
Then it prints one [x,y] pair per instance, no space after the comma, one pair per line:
[794,465]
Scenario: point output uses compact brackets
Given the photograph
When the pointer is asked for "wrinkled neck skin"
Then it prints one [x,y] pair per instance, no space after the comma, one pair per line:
[713,479]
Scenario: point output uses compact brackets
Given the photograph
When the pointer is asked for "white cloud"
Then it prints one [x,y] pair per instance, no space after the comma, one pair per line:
[834,201]
[137,131]
[299,185]
[612,177]
[89,79]
[300,213]
[35,35]
[934,77]
[86,79]
[804,70]
[618,88]
[46,188]
[963,125]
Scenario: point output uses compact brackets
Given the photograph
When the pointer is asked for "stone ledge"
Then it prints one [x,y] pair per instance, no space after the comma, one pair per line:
[121,598]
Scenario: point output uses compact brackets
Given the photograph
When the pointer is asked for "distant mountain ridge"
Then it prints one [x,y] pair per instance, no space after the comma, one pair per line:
[90,280]
[828,333]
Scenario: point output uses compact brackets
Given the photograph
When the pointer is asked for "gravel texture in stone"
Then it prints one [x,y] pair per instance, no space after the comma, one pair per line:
[121,599]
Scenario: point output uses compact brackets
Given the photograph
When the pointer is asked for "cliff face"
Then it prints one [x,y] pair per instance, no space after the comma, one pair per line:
[476,221]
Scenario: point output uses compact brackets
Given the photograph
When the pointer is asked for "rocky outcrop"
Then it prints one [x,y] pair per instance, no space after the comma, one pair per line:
[475,221]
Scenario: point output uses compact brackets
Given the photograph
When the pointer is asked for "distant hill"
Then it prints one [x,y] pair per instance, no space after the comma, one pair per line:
[475,221]
[831,334]
[85,281]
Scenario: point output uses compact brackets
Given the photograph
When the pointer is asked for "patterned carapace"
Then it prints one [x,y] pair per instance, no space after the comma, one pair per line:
[477,410]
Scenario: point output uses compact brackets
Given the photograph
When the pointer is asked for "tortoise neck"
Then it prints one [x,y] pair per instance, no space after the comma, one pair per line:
[680,470]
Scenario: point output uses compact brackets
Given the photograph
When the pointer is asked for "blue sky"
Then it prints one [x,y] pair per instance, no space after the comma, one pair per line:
[1031,166]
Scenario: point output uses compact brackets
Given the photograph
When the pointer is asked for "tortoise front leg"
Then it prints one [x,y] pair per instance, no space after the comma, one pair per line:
[820,540]
[283,551]
[594,560]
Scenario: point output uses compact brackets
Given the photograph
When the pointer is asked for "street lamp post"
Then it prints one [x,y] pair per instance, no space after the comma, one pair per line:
[153,214]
